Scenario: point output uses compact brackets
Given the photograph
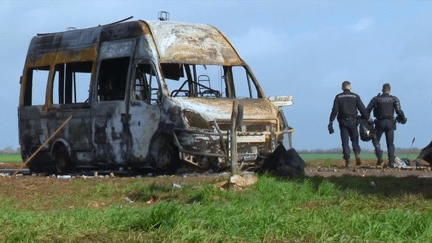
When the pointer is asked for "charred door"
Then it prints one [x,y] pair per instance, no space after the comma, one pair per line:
[144,111]
[71,96]
[110,122]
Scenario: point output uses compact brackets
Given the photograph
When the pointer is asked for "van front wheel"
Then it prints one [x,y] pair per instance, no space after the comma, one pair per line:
[62,161]
[167,157]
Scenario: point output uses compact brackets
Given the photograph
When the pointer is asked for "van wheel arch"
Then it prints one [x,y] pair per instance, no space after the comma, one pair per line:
[61,152]
[164,155]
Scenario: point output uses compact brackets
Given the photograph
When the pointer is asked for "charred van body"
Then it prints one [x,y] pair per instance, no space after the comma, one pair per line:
[141,94]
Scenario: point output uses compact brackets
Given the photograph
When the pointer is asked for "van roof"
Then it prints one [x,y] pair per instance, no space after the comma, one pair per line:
[192,43]
[175,42]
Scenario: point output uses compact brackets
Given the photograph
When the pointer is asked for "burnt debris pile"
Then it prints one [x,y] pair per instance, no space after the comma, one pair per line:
[282,162]
[426,153]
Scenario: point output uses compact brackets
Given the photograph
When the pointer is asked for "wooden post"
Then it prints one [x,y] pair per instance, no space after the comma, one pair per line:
[233,140]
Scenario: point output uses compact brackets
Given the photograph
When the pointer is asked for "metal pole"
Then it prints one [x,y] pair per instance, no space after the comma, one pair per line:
[233,135]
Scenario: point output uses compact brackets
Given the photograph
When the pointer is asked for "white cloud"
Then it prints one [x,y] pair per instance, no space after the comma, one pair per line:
[362,25]
[258,42]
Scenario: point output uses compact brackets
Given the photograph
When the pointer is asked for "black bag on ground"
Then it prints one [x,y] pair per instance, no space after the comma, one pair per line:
[282,162]
[426,153]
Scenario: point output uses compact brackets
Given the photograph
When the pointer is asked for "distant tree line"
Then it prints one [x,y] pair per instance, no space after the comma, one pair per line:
[10,151]
[339,151]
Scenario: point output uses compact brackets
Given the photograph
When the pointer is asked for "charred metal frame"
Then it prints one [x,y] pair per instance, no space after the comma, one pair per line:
[113,133]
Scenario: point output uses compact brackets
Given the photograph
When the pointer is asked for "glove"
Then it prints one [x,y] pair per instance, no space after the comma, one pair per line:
[330,128]
[401,120]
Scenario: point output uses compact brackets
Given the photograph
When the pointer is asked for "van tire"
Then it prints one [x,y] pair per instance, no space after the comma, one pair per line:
[61,160]
[166,159]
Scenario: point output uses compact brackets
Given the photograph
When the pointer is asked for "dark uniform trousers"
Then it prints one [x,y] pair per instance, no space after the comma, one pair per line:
[348,128]
[387,126]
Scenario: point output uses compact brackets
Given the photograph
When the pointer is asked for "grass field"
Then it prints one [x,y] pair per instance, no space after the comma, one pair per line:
[10,158]
[182,209]
[272,210]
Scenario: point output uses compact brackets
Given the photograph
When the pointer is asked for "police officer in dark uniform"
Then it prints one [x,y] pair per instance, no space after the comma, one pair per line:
[345,106]
[384,107]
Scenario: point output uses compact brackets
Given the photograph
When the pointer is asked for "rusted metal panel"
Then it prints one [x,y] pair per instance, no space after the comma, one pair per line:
[193,43]
[144,122]
[220,109]
[116,49]
[75,40]
[111,132]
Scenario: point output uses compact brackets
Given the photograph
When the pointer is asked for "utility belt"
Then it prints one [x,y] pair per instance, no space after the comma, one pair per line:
[385,118]
[392,119]
[347,118]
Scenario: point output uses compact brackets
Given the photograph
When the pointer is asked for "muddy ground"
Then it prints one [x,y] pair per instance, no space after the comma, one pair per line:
[419,178]
[368,168]
[336,169]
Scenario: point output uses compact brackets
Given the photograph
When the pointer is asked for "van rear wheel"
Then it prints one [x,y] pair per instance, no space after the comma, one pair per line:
[61,160]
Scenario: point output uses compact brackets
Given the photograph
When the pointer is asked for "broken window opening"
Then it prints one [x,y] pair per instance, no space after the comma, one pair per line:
[190,80]
[72,82]
[210,81]
[35,86]
[112,79]
[146,85]
[244,85]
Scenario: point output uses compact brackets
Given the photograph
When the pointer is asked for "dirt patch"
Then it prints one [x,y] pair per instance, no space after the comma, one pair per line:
[321,167]
[11,165]
[367,168]
[39,189]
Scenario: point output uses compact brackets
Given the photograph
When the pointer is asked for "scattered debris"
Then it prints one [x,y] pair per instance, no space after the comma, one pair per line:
[401,163]
[238,182]
[129,200]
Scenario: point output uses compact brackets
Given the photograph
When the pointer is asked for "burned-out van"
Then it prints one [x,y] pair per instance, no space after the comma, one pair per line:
[141,94]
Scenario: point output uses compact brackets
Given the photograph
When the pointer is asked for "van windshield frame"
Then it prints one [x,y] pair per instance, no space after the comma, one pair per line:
[210,81]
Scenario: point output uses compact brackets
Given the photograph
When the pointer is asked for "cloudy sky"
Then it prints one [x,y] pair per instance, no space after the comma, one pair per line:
[302,48]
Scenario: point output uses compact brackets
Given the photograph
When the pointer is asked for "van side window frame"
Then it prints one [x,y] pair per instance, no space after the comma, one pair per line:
[108,85]
[110,51]
[30,85]
[66,83]
[150,83]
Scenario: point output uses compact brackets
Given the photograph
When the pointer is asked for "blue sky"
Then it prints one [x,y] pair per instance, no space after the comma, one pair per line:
[302,48]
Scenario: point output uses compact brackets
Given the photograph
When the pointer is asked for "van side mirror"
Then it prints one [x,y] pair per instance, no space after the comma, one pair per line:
[281,101]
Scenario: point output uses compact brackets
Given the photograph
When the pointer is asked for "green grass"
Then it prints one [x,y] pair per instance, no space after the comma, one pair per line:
[343,209]
[10,158]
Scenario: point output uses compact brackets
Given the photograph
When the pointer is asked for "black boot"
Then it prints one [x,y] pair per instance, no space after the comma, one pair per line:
[347,162]
[358,160]
[391,162]
[380,161]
